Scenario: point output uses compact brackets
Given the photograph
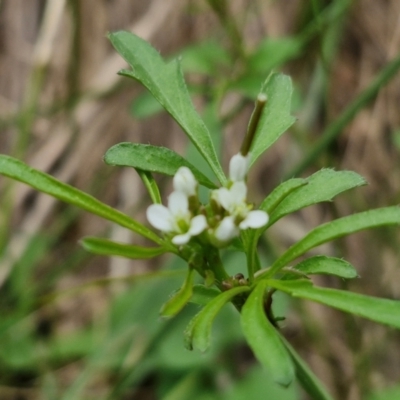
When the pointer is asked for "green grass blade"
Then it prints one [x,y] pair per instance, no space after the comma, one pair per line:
[264,339]
[383,311]
[165,82]
[336,229]
[153,159]
[45,183]
[109,248]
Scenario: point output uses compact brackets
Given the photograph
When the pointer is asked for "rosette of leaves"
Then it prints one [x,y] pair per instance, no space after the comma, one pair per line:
[252,295]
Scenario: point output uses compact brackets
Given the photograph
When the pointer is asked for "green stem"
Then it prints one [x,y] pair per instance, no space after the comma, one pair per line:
[253,124]
[215,264]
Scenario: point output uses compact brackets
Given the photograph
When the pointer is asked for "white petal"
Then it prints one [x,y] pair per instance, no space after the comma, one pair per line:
[254,219]
[226,229]
[178,204]
[181,239]
[238,167]
[197,225]
[185,182]
[238,192]
[223,197]
[160,217]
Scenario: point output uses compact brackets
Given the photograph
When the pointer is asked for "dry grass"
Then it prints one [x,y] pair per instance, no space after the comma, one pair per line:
[62,106]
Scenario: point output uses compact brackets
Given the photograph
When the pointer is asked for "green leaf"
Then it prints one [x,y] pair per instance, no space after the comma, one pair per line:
[276,118]
[166,83]
[311,384]
[45,183]
[198,332]
[336,229]
[153,159]
[384,311]
[280,193]
[180,298]
[151,185]
[109,248]
[250,236]
[203,294]
[324,185]
[264,339]
[327,265]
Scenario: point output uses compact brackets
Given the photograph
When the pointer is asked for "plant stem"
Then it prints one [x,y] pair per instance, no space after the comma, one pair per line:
[253,124]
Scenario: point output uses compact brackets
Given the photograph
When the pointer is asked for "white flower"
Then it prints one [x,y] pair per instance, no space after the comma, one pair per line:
[185,182]
[226,230]
[238,167]
[254,219]
[233,200]
[176,218]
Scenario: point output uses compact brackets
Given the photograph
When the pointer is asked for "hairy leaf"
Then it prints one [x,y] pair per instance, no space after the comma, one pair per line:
[336,229]
[198,331]
[275,118]
[180,298]
[324,185]
[165,82]
[280,193]
[153,159]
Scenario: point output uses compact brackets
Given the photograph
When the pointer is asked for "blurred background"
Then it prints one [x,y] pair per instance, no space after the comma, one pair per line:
[74,326]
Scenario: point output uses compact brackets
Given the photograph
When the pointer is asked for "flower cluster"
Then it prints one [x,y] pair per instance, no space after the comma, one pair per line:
[221,220]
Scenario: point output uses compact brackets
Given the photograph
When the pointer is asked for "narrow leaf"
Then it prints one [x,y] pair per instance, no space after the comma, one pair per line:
[166,83]
[324,185]
[336,229]
[327,265]
[311,384]
[198,331]
[203,294]
[180,298]
[108,248]
[276,118]
[280,193]
[151,185]
[250,236]
[264,339]
[153,159]
[384,311]
[45,183]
